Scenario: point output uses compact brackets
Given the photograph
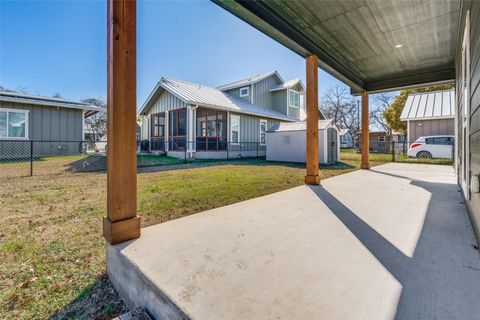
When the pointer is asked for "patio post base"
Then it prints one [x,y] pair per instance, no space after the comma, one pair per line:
[312,180]
[119,231]
[365,166]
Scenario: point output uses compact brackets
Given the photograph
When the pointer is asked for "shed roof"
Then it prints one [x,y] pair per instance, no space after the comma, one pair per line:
[288,84]
[344,131]
[249,80]
[17,97]
[299,126]
[196,94]
[429,105]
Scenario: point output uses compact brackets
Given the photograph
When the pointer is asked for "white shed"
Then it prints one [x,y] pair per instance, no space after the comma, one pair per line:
[287,142]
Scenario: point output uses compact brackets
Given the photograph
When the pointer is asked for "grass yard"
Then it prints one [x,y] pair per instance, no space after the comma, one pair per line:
[51,246]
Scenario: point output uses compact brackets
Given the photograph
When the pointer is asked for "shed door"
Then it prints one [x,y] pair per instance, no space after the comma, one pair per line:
[332,145]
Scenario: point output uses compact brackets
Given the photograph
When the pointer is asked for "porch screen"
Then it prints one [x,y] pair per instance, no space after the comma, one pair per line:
[158,131]
[177,127]
[211,129]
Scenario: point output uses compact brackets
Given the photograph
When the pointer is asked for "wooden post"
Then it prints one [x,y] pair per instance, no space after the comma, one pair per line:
[121,223]
[312,177]
[365,131]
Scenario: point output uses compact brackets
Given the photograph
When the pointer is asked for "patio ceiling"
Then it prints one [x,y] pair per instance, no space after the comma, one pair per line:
[371,45]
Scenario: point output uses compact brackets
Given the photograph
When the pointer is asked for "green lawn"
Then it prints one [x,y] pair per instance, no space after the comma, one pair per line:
[51,246]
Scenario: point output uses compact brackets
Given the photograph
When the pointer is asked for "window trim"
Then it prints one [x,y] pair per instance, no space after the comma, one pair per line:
[288,98]
[246,94]
[26,113]
[231,129]
[260,131]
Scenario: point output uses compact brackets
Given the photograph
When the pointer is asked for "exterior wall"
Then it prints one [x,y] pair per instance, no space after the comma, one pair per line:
[166,102]
[59,131]
[51,123]
[261,92]
[236,92]
[290,146]
[250,127]
[473,136]
[280,101]
[419,128]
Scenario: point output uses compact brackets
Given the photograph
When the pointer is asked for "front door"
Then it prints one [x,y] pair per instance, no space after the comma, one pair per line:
[157,131]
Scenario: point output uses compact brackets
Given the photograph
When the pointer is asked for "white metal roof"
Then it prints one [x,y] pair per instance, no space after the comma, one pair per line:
[344,131]
[17,97]
[196,94]
[299,126]
[249,80]
[288,84]
[429,105]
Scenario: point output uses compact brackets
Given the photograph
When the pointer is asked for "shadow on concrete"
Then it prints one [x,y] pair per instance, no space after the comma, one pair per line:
[442,279]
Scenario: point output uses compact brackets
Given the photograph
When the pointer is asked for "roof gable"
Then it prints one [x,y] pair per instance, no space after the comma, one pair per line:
[195,94]
[250,80]
[429,105]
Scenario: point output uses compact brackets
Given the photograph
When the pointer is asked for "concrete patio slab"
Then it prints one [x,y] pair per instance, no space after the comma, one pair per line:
[391,242]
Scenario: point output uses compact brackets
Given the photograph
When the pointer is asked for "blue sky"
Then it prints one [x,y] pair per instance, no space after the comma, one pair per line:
[50,47]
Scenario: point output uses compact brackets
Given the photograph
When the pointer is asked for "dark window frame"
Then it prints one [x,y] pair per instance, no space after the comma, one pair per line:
[205,139]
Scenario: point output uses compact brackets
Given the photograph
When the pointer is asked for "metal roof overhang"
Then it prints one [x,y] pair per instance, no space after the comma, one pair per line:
[312,27]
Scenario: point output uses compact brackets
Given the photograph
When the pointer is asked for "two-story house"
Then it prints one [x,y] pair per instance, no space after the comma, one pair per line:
[187,119]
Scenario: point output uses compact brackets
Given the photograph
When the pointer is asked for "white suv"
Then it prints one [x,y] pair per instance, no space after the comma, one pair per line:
[432,147]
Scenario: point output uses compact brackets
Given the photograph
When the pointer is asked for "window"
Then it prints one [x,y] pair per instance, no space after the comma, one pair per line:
[211,129]
[177,127]
[244,92]
[381,138]
[158,125]
[439,141]
[235,129]
[13,124]
[263,130]
[293,98]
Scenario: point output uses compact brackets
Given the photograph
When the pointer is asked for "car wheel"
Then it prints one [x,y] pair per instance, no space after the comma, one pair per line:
[424,155]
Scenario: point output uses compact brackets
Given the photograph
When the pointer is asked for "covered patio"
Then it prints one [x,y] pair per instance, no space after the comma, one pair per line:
[402,248]
[390,242]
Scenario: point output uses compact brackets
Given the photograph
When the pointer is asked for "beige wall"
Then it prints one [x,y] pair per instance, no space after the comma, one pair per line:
[419,128]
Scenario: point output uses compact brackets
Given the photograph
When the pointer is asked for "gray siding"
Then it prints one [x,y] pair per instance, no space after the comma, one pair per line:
[51,123]
[280,101]
[261,92]
[236,92]
[250,127]
[473,199]
[419,128]
[166,102]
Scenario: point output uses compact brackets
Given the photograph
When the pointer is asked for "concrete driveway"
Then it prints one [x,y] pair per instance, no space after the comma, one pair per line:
[391,242]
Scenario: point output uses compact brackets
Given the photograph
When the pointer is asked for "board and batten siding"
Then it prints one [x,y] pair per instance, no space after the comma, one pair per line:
[280,101]
[472,199]
[51,123]
[420,128]
[261,92]
[250,127]
[236,93]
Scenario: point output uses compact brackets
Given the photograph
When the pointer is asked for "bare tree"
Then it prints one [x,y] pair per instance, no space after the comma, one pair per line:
[339,105]
[96,122]
[382,102]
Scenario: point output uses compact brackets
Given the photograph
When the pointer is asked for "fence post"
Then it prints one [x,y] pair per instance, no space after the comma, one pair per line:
[186,147]
[257,148]
[228,147]
[31,158]
[393,151]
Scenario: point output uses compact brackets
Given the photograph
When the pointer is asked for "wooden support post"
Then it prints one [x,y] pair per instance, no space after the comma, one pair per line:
[365,131]
[121,223]
[312,177]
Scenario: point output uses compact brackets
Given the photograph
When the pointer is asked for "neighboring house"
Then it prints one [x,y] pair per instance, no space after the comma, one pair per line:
[51,122]
[287,142]
[380,141]
[346,138]
[181,118]
[429,114]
